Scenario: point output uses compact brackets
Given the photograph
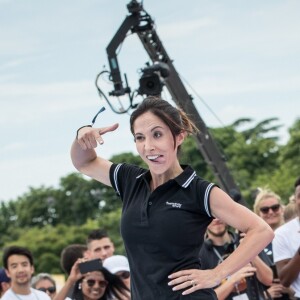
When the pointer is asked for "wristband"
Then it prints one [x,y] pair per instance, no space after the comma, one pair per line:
[81,128]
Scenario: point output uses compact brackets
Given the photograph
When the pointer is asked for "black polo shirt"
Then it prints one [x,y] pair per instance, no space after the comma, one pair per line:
[163,230]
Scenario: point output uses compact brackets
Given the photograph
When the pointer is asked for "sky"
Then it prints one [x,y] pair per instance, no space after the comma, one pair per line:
[237,58]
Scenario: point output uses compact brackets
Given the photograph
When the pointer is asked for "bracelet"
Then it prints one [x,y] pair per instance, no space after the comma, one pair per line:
[81,128]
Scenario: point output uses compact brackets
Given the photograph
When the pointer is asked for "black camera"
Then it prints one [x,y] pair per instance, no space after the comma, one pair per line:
[90,266]
[150,82]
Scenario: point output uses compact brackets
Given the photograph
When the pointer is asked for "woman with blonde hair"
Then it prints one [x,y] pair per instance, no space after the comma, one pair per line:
[268,206]
[44,282]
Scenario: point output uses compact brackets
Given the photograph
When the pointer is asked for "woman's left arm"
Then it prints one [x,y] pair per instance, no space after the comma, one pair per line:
[258,235]
[263,272]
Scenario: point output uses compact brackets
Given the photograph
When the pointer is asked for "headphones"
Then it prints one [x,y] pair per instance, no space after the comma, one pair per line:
[228,247]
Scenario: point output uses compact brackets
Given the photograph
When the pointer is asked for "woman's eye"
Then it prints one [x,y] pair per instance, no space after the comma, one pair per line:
[138,138]
[157,134]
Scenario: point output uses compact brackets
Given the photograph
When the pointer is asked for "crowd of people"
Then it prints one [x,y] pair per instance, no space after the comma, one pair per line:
[108,276]
[184,237]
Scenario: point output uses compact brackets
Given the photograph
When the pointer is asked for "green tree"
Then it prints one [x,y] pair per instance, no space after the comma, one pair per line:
[36,208]
[283,178]
[77,200]
[251,153]
[190,155]
[8,217]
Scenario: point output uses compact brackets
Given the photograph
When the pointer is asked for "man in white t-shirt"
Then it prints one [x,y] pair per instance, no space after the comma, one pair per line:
[18,264]
[286,248]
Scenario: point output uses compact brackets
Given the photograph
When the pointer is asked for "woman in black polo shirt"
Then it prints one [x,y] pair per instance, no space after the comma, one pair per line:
[167,208]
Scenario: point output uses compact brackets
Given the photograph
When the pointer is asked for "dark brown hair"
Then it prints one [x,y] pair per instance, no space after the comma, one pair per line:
[176,119]
[70,254]
[116,289]
[16,250]
[97,234]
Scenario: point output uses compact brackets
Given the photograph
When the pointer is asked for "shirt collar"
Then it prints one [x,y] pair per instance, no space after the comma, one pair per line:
[183,179]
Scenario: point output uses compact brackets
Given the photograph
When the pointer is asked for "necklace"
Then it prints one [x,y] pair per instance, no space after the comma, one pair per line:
[19,298]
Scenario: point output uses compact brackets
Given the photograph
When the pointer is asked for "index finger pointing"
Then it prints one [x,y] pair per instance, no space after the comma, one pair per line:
[108,129]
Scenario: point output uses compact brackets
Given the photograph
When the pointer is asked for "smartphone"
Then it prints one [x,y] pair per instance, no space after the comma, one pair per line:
[90,266]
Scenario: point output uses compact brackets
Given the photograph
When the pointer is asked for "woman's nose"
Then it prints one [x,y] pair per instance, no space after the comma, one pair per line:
[149,145]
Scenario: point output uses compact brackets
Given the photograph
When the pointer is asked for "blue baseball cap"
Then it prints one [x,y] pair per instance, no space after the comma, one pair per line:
[3,276]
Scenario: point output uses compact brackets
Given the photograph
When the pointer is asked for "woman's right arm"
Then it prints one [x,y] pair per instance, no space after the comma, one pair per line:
[63,293]
[84,156]
[74,276]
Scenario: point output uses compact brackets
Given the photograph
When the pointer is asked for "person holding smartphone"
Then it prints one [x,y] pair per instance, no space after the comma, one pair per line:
[91,281]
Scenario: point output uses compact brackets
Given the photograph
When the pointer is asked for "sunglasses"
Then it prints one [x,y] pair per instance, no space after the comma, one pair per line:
[265,209]
[51,289]
[91,282]
[124,275]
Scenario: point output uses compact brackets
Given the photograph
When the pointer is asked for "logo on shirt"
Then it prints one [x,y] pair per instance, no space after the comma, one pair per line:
[174,204]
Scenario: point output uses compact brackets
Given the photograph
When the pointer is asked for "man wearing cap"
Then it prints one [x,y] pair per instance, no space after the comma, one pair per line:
[4,282]
[118,265]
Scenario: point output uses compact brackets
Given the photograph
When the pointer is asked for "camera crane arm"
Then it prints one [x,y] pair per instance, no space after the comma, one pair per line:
[133,22]
[141,23]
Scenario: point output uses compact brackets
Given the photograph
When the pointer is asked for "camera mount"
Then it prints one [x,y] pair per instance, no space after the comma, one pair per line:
[163,73]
